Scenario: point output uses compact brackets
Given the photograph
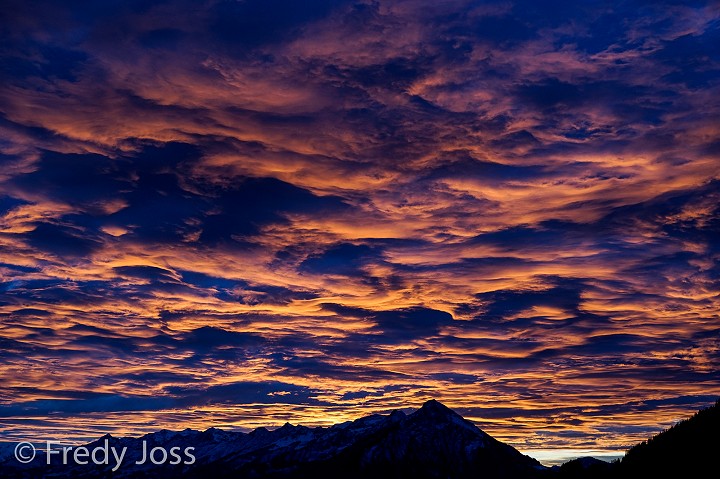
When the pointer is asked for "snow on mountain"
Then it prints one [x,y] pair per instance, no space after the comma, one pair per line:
[432,442]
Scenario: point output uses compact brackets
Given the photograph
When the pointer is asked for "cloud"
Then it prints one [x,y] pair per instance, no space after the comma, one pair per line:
[411,322]
[344,259]
[357,206]
[243,208]
[180,397]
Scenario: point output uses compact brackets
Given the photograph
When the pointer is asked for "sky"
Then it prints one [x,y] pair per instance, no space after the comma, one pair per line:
[241,213]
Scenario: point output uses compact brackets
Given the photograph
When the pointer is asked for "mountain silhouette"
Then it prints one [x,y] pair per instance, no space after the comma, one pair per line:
[433,442]
[586,468]
[688,449]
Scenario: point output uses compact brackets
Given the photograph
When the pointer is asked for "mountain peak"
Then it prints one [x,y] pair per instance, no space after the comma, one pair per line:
[432,442]
[286,427]
[435,409]
[435,405]
[435,412]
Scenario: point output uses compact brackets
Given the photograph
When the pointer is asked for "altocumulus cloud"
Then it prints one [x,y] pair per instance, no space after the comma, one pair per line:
[247,212]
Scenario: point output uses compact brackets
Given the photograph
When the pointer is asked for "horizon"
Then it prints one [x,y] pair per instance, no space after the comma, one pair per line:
[240,213]
[547,457]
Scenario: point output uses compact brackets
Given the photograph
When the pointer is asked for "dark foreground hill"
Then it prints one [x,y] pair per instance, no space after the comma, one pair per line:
[688,449]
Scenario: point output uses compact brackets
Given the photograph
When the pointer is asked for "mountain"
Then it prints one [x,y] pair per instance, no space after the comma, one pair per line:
[431,443]
[585,468]
[688,449]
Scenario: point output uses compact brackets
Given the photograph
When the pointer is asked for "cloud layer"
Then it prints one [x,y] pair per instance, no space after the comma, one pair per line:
[242,213]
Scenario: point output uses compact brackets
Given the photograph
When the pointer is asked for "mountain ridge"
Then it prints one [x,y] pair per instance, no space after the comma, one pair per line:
[432,442]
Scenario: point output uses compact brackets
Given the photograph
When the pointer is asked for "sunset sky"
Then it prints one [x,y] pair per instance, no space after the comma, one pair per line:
[240,213]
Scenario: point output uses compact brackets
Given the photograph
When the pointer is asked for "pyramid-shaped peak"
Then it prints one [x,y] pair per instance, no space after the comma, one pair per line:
[434,405]
[286,427]
[436,412]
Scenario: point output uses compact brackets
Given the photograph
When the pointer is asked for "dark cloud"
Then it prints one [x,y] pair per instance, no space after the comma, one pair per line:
[61,240]
[159,208]
[404,325]
[321,367]
[7,203]
[455,378]
[344,259]
[55,63]
[502,304]
[250,24]
[342,310]
[246,392]
[150,273]
[252,202]
[209,337]
[463,165]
